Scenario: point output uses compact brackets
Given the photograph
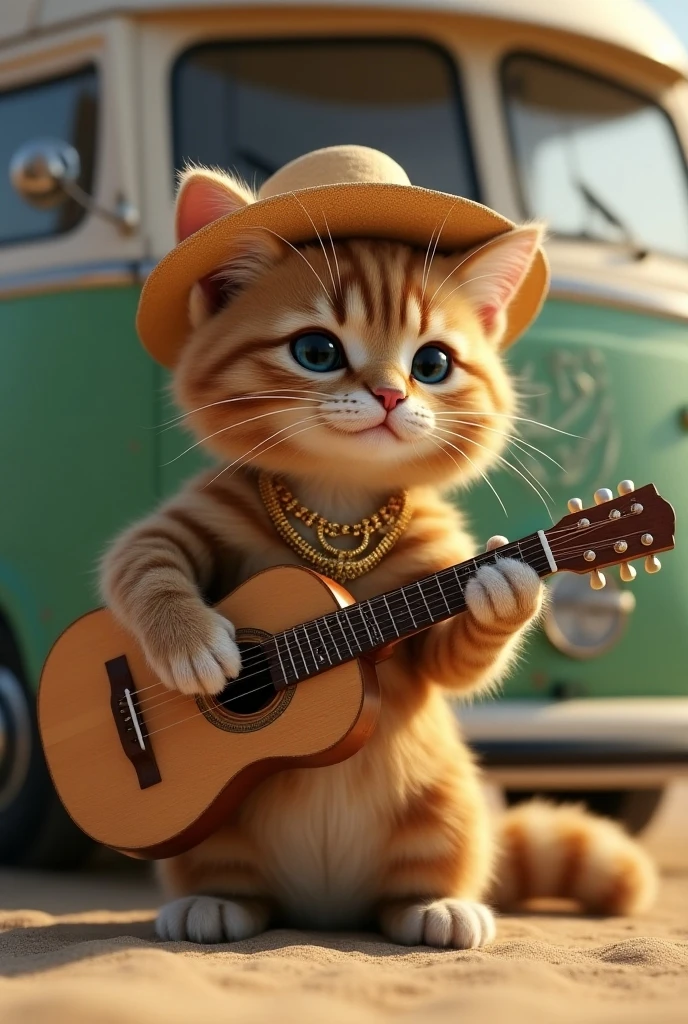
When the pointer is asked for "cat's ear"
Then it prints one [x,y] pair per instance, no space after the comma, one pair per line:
[494,272]
[205,195]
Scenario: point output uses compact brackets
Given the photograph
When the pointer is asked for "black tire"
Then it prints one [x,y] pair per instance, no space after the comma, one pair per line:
[35,830]
[633,808]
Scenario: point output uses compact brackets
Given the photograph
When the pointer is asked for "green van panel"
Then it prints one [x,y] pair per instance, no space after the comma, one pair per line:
[77,444]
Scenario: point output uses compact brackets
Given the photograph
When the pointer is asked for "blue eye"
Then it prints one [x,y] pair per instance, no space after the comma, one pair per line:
[431,365]
[318,352]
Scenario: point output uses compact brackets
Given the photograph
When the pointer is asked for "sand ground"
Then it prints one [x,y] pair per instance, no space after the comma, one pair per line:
[81,948]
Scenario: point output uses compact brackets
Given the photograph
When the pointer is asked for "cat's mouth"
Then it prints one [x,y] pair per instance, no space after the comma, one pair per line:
[379,431]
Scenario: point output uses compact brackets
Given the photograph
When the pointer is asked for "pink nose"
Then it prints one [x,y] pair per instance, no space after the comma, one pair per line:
[389,397]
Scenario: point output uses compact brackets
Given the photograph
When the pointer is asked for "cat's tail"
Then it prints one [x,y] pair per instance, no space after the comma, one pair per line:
[565,852]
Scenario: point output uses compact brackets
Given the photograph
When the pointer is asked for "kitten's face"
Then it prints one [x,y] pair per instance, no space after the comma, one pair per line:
[355,370]
[364,363]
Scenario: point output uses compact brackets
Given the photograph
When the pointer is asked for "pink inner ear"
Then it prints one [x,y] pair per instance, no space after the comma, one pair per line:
[200,202]
[488,315]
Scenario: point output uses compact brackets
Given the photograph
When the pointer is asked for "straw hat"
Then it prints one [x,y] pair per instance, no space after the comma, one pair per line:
[352,191]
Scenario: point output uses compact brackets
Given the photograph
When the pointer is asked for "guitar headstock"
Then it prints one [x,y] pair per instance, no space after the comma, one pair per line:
[637,524]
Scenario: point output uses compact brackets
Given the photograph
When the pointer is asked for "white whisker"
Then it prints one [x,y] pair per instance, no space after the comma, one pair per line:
[281,441]
[298,251]
[334,254]
[440,442]
[322,244]
[426,277]
[300,397]
[233,426]
[505,462]
[508,416]
[316,416]
[514,438]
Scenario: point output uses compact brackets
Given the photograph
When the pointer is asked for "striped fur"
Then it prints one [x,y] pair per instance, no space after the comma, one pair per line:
[399,835]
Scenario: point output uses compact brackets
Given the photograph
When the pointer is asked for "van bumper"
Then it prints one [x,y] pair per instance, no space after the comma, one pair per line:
[579,744]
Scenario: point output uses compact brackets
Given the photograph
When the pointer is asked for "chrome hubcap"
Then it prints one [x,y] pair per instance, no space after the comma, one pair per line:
[15,737]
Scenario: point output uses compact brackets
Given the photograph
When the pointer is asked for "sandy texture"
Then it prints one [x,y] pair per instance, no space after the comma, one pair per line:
[85,951]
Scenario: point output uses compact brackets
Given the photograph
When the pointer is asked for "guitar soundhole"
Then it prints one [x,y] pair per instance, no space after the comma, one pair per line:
[253,690]
[251,701]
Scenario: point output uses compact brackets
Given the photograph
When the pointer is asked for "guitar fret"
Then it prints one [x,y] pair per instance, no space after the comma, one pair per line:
[359,608]
[310,646]
[402,591]
[435,580]
[391,617]
[379,635]
[300,652]
[286,643]
[345,613]
[336,615]
[420,591]
[326,620]
[322,641]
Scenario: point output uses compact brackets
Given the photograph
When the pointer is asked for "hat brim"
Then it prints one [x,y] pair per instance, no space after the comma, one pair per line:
[403,213]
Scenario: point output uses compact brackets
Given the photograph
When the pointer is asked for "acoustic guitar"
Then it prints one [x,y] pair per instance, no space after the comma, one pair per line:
[151,772]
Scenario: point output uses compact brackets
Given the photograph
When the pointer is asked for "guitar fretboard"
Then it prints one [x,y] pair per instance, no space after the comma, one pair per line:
[352,632]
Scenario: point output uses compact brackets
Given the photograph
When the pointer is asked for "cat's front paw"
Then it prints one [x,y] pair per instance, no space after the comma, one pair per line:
[504,596]
[193,651]
[210,919]
[446,923]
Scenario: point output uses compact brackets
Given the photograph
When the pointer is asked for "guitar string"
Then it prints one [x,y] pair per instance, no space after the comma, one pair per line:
[534,543]
[270,684]
[394,604]
[416,611]
[256,659]
[230,700]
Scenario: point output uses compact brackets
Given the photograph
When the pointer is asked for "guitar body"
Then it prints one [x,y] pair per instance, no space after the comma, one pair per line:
[199,756]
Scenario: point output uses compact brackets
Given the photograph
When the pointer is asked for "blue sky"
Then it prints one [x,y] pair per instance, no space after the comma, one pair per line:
[676,13]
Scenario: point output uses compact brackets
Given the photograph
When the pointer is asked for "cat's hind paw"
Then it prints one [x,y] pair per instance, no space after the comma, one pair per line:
[445,923]
[209,919]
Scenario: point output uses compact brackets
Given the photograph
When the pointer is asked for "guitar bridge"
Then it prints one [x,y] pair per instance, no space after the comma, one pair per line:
[130,724]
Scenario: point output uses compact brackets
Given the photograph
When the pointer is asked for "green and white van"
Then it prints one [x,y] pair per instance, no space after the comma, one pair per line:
[576,113]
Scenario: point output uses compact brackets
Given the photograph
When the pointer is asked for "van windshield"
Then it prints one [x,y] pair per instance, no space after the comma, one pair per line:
[593,159]
[253,106]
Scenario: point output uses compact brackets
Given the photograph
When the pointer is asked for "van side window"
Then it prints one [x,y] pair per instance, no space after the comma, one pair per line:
[594,159]
[254,106]
[64,108]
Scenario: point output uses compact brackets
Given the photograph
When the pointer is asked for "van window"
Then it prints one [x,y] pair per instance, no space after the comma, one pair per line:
[593,159]
[252,107]
[62,108]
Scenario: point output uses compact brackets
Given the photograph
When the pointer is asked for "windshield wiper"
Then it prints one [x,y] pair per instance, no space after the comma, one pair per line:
[638,251]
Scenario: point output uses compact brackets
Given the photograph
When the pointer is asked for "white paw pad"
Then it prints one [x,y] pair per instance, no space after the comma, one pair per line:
[506,592]
[208,919]
[446,923]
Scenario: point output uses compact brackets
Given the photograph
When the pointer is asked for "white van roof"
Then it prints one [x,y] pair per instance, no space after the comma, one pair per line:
[629,24]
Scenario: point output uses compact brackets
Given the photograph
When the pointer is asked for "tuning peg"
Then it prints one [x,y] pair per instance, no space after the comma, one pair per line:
[625,487]
[597,580]
[496,542]
[652,564]
[627,572]
[602,495]
[575,505]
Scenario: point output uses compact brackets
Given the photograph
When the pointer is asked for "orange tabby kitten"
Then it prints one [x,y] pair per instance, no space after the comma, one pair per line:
[354,370]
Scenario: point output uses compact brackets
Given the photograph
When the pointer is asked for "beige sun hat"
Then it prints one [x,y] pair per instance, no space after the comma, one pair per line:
[350,192]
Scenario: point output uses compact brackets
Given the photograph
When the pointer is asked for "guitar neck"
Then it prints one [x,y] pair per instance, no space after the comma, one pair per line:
[366,626]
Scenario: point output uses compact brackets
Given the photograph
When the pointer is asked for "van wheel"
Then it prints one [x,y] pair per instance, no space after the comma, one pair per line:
[633,808]
[35,830]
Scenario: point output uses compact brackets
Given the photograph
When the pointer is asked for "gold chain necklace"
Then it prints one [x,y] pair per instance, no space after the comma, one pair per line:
[391,520]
